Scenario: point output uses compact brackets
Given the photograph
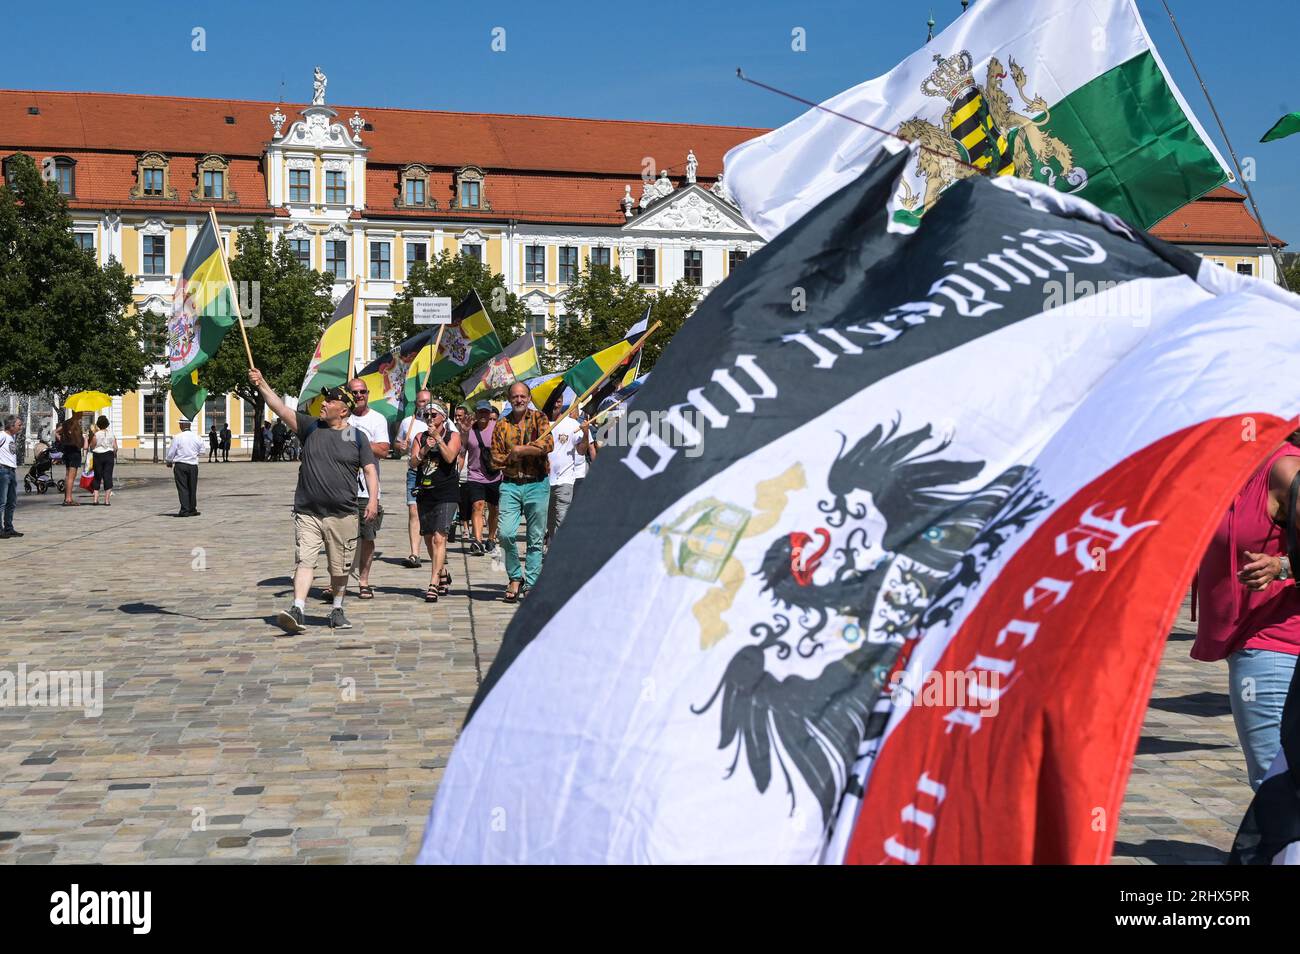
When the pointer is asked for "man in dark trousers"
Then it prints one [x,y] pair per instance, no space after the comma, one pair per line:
[183,459]
[225,443]
[214,444]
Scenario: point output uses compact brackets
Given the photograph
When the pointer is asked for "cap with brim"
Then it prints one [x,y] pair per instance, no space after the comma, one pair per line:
[339,394]
[185,423]
[484,406]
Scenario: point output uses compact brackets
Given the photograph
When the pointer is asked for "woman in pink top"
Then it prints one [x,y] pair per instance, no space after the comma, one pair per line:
[1249,605]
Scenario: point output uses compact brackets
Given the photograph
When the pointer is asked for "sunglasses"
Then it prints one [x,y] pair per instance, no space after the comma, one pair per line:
[360,393]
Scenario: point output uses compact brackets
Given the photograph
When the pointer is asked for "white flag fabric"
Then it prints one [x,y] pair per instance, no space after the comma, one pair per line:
[815,495]
[1071,93]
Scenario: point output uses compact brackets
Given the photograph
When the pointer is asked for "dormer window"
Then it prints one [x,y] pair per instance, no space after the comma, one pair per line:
[65,175]
[469,190]
[415,188]
[151,174]
[212,181]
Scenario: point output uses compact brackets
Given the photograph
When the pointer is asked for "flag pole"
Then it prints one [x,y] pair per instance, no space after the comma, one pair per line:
[234,298]
[352,341]
[1268,239]
[433,356]
[599,381]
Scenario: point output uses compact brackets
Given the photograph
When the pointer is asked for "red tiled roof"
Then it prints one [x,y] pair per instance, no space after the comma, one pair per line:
[539,168]
[1219,217]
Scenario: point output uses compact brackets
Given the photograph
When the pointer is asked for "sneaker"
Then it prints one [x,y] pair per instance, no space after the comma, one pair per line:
[338,620]
[291,620]
[476,549]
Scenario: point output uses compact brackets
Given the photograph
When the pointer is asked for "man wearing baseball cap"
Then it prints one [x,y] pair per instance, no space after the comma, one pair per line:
[183,459]
[325,501]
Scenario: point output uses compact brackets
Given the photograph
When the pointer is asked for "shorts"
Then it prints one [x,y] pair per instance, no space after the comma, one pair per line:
[337,536]
[436,517]
[489,492]
[71,456]
[410,486]
[466,503]
[367,530]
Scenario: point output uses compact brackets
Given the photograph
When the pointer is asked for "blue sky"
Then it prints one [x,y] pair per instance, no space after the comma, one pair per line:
[665,60]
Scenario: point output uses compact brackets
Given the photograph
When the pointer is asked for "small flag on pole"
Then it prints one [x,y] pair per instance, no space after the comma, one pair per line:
[329,364]
[203,310]
[518,362]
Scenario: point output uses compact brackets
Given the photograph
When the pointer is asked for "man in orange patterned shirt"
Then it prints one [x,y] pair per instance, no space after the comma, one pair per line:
[520,451]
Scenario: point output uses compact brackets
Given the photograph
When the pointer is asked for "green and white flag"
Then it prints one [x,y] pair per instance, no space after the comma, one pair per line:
[1071,93]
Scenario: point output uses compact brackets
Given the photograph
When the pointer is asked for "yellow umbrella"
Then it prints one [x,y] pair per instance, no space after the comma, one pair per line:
[87,401]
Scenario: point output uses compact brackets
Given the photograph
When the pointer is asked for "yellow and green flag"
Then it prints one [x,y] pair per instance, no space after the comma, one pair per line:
[331,364]
[589,370]
[203,309]
[516,363]
[467,342]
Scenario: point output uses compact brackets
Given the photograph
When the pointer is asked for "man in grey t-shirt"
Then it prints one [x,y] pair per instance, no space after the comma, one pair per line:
[325,501]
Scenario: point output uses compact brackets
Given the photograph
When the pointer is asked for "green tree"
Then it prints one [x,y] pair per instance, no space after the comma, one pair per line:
[453,276]
[293,305]
[66,323]
[606,304]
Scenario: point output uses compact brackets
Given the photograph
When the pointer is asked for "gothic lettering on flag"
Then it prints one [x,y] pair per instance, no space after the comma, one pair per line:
[714,659]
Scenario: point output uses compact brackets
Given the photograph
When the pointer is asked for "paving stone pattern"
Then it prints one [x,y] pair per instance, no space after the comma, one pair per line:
[222,741]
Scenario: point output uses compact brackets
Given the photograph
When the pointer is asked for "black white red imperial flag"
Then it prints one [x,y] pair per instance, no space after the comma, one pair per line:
[997,444]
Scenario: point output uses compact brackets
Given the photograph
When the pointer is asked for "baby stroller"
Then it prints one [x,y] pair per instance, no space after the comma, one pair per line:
[40,475]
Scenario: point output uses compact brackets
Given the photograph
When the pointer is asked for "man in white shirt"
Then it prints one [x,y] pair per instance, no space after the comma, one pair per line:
[411,428]
[183,459]
[570,450]
[375,426]
[9,475]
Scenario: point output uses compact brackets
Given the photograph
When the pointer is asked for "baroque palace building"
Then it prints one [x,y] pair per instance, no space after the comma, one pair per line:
[362,192]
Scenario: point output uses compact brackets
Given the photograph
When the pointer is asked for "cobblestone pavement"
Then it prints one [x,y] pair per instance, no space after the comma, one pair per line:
[220,742]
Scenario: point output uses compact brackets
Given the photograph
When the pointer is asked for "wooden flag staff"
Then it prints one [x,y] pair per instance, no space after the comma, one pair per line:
[234,297]
[599,381]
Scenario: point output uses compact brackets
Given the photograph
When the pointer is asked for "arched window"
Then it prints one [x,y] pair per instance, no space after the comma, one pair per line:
[152,175]
[470,193]
[415,192]
[212,181]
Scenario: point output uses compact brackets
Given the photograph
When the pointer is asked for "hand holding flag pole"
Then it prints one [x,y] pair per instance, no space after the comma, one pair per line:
[600,380]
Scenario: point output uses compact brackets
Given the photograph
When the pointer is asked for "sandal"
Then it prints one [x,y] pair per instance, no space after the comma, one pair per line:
[413,561]
[512,591]
[446,577]
[366,592]
[431,595]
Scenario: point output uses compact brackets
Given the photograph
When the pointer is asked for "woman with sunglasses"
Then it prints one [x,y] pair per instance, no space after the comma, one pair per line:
[437,492]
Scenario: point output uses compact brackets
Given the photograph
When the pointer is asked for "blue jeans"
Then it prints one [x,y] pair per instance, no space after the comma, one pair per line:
[8,496]
[1258,680]
[531,502]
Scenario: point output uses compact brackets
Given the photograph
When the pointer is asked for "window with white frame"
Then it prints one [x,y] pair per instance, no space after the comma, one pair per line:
[155,413]
[299,185]
[535,264]
[85,241]
[416,252]
[693,266]
[598,256]
[1245,268]
[568,255]
[336,257]
[381,260]
[472,250]
[301,248]
[154,260]
[645,266]
[336,186]
[537,325]
[734,257]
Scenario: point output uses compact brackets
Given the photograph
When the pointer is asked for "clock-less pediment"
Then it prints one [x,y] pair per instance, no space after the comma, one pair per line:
[689,210]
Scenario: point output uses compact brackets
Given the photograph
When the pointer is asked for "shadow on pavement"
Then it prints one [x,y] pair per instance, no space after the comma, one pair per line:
[1196,704]
[1164,851]
[1157,746]
[152,609]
